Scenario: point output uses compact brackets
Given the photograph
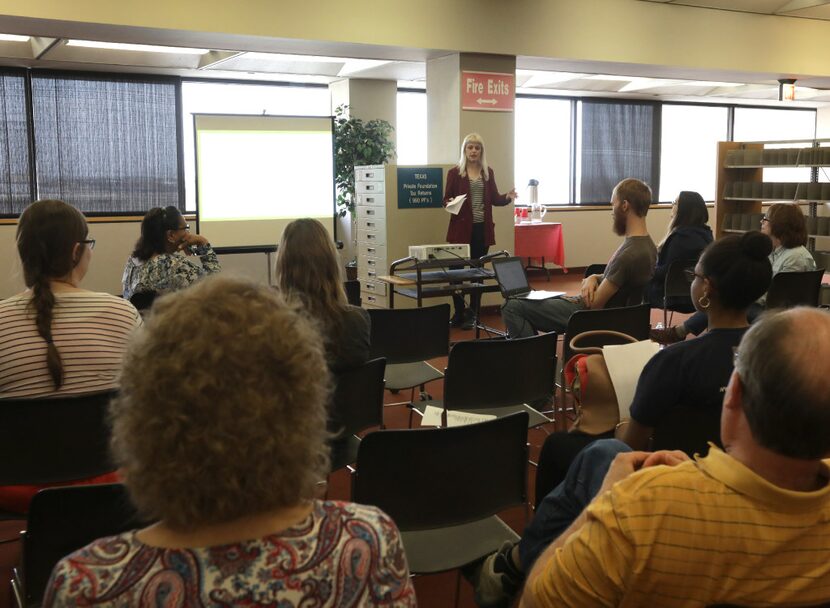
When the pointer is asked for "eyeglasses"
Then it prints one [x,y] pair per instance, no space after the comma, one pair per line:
[691,274]
[185,227]
[764,219]
[89,243]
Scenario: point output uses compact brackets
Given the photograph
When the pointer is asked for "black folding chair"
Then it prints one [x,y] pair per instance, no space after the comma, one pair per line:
[500,377]
[357,404]
[790,289]
[63,520]
[54,440]
[408,337]
[631,320]
[676,295]
[688,429]
[634,321]
[143,300]
[352,292]
[444,487]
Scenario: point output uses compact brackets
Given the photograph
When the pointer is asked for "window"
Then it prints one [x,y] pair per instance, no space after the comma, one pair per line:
[760,124]
[617,140]
[106,144]
[689,146]
[15,182]
[543,148]
[224,98]
[411,128]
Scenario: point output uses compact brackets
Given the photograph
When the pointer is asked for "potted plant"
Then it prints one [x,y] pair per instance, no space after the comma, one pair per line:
[356,143]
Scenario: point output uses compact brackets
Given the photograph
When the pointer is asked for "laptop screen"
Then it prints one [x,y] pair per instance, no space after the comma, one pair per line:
[511,276]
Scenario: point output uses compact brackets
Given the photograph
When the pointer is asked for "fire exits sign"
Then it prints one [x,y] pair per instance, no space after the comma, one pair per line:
[487,91]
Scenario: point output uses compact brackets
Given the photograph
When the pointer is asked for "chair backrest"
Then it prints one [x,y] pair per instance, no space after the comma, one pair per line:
[688,429]
[62,520]
[631,320]
[495,373]
[627,296]
[676,286]
[54,440]
[357,402]
[595,269]
[431,478]
[352,291]
[789,289]
[143,300]
[406,335]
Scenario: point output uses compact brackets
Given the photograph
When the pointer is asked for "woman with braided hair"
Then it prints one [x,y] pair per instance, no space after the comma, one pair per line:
[57,339]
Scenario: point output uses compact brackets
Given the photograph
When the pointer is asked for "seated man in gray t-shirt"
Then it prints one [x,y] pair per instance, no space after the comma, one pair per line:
[629,270]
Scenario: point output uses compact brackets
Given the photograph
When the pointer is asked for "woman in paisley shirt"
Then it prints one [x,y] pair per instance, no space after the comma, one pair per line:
[220,432]
[165,254]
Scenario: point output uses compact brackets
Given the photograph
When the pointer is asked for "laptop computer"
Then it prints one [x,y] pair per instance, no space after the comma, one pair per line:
[512,279]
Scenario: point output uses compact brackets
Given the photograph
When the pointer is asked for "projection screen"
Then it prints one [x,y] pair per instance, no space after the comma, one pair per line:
[254,174]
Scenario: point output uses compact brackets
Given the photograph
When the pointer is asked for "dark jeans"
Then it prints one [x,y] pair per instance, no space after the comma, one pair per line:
[564,504]
[558,452]
[700,320]
[478,248]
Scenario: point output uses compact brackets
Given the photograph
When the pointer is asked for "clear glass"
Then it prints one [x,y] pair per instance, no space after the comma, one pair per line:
[689,149]
[411,130]
[227,98]
[543,136]
[754,124]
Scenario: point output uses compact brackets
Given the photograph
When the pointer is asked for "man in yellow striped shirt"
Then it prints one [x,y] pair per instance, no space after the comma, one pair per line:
[747,526]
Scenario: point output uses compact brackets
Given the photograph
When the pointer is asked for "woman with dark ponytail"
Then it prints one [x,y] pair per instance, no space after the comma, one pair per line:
[163,259]
[57,339]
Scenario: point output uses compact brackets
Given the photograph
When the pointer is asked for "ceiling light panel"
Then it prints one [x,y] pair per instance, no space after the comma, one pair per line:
[141,48]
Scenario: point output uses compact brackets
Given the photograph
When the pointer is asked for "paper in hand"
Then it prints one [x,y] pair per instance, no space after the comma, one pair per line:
[454,206]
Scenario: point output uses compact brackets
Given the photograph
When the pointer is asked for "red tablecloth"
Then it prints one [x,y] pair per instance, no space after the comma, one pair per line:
[540,240]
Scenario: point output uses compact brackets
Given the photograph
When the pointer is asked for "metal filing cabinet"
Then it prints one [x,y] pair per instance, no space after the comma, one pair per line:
[370,215]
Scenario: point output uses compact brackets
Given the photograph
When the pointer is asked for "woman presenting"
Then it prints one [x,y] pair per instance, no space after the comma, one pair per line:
[474,222]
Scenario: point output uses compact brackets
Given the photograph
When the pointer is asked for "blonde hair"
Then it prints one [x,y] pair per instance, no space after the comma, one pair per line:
[474,138]
[222,410]
[308,270]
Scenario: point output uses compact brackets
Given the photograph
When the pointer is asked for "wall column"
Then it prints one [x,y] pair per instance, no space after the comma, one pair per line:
[448,124]
[367,100]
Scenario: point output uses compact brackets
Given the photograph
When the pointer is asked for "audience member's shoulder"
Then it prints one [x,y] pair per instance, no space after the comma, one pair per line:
[357,312]
[353,510]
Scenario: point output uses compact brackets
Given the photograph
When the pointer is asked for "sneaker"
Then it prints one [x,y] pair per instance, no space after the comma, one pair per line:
[497,583]
[469,321]
[665,335]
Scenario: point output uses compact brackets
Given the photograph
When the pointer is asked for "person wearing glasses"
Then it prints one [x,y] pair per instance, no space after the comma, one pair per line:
[165,255]
[784,224]
[56,338]
[730,275]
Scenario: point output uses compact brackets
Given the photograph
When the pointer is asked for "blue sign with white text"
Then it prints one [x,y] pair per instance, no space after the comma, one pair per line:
[420,187]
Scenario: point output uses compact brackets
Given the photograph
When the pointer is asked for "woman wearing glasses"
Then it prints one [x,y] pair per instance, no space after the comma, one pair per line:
[165,255]
[731,274]
[784,224]
[57,339]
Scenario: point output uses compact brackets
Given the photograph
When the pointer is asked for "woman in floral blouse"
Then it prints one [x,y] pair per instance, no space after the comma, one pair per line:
[165,255]
[224,447]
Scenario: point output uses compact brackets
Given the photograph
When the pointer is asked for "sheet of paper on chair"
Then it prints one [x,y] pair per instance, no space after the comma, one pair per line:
[454,206]
[432,416]
[625,362]
[455,418]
